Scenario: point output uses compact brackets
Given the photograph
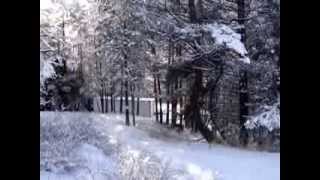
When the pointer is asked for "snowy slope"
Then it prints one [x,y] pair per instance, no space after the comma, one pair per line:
[150,141]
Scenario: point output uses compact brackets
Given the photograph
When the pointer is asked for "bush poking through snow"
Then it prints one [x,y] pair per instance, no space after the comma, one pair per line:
[60,136]
[136,165]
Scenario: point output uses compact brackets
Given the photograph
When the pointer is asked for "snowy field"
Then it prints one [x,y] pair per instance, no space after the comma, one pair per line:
[85,146]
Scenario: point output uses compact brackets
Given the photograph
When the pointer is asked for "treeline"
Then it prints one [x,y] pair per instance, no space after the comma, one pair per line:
[191,56]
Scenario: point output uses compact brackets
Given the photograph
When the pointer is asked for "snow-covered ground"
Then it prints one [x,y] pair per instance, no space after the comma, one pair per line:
[152,151]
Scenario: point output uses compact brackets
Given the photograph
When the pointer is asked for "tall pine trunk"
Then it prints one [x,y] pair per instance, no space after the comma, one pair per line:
[192,112]
[138,105]
[168,84]
[155,96]
[111,103]
[243,82]
[106,102]
[132,105]
[192,11]
[102,100]
[126,89]
[121,91]
[181,105]
[114,104]
[160,100]
[174,114]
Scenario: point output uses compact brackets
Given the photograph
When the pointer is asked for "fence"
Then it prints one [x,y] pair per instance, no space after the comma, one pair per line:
[146,105]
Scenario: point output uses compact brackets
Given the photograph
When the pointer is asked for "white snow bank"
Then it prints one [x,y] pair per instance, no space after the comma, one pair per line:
[94,165]
[151,150]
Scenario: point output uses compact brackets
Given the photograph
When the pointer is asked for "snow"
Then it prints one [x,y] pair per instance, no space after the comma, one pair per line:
[45,4]
[92,158]
[269,118]
[225,35]
[46,70]
[140,146]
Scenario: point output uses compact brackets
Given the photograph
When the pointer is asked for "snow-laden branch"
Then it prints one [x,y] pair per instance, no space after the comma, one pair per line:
[269,118]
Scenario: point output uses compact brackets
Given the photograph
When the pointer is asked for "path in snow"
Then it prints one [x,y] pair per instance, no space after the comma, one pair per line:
[198,159]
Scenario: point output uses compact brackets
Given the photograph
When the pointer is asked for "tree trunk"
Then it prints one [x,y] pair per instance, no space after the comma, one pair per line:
[121,90]
[241,19]
[107,102]
[138,105]
[160,100]
[126,94]
[155,95]
[192,11]
[174,111]
[102,101]
[192,112]
[181,105]
[121,97]
[111,103]
[114,104]
[132,106]
[243,82]
[168,84]
[174,114]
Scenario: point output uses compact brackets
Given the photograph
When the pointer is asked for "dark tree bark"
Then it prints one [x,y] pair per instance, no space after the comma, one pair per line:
[106,101]
[138,105]
[126,89]
[174,107]
[181,105]
[121,92]
[126,83]
[241,19]
[192,112]
[200,11]
[168,84]
[174,94]
[243,82]
[114,104]
[102,101]
[212,89]
[111,103]
[132,106]
[155,95]
[192,11]
[160,100]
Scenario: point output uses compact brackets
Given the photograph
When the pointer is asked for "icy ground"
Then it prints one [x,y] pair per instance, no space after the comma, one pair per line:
[148,151]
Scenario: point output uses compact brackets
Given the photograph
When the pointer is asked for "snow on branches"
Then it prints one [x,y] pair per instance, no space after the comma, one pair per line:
[269,118]
[222,35]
